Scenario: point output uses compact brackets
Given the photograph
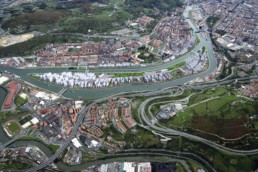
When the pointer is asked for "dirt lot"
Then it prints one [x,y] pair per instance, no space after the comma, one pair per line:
[14,39]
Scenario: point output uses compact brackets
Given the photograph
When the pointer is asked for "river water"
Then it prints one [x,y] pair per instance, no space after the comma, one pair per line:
[3,94]
[145,157]
[97,93]
[3,137]
[100,93]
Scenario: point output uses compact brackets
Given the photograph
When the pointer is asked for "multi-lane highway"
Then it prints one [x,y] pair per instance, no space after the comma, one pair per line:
[148,119]
[161,130]
[119,91]
[65,145]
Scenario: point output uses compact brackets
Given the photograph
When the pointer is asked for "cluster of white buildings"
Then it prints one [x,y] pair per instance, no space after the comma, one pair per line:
[170,110]
[121,80]
[196,63]
[90,80]
[163,76]
[83,80]
[70,79]
[125,167]
[76,143]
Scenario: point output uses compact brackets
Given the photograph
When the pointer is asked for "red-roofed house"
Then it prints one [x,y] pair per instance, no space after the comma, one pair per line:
[12,87]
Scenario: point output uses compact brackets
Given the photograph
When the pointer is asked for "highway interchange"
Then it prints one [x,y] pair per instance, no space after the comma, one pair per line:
[171,132]
[166,131]
[147,121]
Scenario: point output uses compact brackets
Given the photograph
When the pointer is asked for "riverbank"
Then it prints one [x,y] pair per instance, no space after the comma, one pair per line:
[95,94]
[3,94]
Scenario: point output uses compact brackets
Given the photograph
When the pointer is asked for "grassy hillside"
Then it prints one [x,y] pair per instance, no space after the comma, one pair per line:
[164,5]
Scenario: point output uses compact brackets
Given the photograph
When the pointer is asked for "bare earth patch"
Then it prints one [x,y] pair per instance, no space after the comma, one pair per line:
[14,39]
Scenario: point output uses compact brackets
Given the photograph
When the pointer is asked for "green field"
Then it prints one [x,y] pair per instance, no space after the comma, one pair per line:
[177,73]
[216,107]
[127,74]
[12,126]
[215,111]
[182,119]
[178,65]
[20,101]
[208,94]
[226,117]
[74,50]
[220,108]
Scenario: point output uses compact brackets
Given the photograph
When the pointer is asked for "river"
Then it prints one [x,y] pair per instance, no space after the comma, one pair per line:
[99,93]
[3,137]
[139,155]
[3,94]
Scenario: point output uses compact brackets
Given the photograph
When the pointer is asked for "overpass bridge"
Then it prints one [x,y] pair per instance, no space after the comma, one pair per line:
[6,144]
[62,91]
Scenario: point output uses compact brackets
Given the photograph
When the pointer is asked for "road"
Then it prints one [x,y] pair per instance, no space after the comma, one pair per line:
[96,93]
[65,145]
[176,154]
[168,131]
[118,92]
